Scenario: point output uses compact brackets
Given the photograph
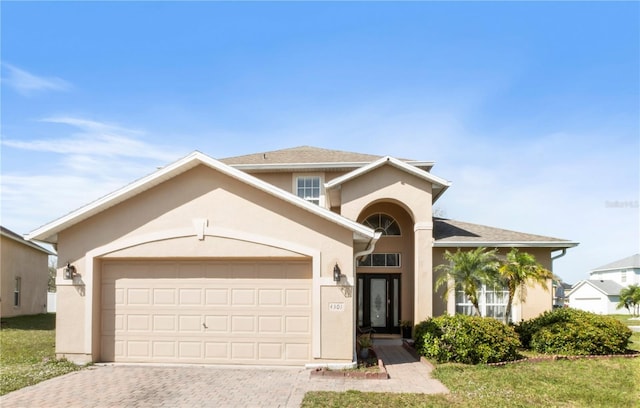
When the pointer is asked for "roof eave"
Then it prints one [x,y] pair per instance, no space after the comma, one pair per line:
[28,243]
[48,233]
[505,244]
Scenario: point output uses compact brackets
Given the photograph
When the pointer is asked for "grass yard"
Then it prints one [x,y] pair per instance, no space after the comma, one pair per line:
[27,352]
[580,383]
[634,343]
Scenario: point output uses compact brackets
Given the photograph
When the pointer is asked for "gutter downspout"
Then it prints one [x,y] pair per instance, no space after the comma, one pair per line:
[560,255]
[553,258]
[370,247]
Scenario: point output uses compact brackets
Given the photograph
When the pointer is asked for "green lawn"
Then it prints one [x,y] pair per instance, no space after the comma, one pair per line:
[27,352]
[635,337]
[579,383]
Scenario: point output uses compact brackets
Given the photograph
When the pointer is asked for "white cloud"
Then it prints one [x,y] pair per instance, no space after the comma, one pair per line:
[95,139]
[96,159]
[27,83]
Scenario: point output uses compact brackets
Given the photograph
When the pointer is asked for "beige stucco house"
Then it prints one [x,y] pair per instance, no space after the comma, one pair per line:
[272,258]
[24,275]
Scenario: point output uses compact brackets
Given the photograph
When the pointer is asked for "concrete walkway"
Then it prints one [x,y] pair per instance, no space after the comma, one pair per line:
[117,385]
[406,375]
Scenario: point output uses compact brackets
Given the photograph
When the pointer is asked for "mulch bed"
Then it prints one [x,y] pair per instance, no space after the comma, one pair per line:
[371,368]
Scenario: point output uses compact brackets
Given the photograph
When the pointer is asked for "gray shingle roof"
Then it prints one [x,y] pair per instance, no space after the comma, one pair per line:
[632,261]
[314,157]
[609,287]
[452,233]
[301,154]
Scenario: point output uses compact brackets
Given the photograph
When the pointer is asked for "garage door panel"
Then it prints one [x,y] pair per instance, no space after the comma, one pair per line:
[217,296]
[298,297]
[192,296]
[164,323]
[194,312]
[270,297]
[243,297]
[164,296]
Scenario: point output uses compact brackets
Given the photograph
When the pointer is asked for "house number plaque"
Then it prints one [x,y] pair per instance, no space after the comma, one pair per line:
[336,307]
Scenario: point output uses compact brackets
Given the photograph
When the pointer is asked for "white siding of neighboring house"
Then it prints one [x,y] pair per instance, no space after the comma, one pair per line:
[588,298]
[624,277]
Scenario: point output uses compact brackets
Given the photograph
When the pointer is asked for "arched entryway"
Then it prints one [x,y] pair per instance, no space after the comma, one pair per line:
[385,278]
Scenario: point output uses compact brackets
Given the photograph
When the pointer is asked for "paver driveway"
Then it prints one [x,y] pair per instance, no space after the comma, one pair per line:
[164,386]
[210,386]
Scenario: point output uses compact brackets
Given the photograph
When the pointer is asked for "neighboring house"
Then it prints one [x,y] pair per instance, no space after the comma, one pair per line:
[601,293]
[561,292]
[24,275]
[596,296]
[625,271]
[272,258]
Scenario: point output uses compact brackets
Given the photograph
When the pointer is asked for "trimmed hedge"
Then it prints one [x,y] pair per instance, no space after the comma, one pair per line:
[574,332]
[466,339]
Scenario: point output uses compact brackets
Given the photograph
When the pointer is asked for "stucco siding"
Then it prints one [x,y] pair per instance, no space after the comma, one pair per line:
[234,220]
[31,267]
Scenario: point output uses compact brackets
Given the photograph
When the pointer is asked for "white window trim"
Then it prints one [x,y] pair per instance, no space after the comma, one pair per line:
[388,215]
[294,189]
[483,304]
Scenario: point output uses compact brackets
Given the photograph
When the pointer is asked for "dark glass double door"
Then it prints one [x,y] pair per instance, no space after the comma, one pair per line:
[379,302]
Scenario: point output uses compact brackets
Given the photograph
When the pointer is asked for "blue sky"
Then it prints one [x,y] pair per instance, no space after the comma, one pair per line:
[530,109]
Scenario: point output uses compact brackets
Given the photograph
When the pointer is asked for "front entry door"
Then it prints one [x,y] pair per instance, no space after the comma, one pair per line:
[379,302]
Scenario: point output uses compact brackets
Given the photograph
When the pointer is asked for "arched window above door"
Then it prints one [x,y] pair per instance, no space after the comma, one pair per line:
[383,223]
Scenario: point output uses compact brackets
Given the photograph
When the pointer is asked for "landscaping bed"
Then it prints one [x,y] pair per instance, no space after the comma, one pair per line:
[370,368]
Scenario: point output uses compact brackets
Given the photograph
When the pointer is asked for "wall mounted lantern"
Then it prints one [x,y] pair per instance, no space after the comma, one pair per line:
[69,271]
[337,275]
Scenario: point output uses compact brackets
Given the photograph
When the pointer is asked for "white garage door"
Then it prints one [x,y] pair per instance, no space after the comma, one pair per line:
[231,312]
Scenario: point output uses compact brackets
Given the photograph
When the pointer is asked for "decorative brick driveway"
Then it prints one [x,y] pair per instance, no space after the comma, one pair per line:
[210,386]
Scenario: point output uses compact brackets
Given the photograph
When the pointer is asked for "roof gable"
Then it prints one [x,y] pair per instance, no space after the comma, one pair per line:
[452,233]
[439,184]
[49,232]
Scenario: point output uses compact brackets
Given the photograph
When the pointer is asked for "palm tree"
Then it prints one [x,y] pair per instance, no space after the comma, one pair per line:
[518,270]
[630,299]
[469,270]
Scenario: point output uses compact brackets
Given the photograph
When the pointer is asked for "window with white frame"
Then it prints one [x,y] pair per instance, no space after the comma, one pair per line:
[383,223]
[309,188]
[492,303]
[623,276]
[16,292]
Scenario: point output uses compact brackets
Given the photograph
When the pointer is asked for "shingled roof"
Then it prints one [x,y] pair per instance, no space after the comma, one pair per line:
[608,287]
[632,261]
[309,155]
[452,233]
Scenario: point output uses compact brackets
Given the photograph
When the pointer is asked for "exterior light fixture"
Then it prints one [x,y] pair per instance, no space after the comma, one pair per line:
[69,271]
[336,273]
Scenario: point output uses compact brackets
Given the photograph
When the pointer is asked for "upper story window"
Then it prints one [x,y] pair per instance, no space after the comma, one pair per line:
[309,188]
[623,276]
[383,223]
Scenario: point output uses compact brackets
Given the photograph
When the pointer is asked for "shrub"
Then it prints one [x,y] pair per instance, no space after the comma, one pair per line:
[574,332]
[466,339]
